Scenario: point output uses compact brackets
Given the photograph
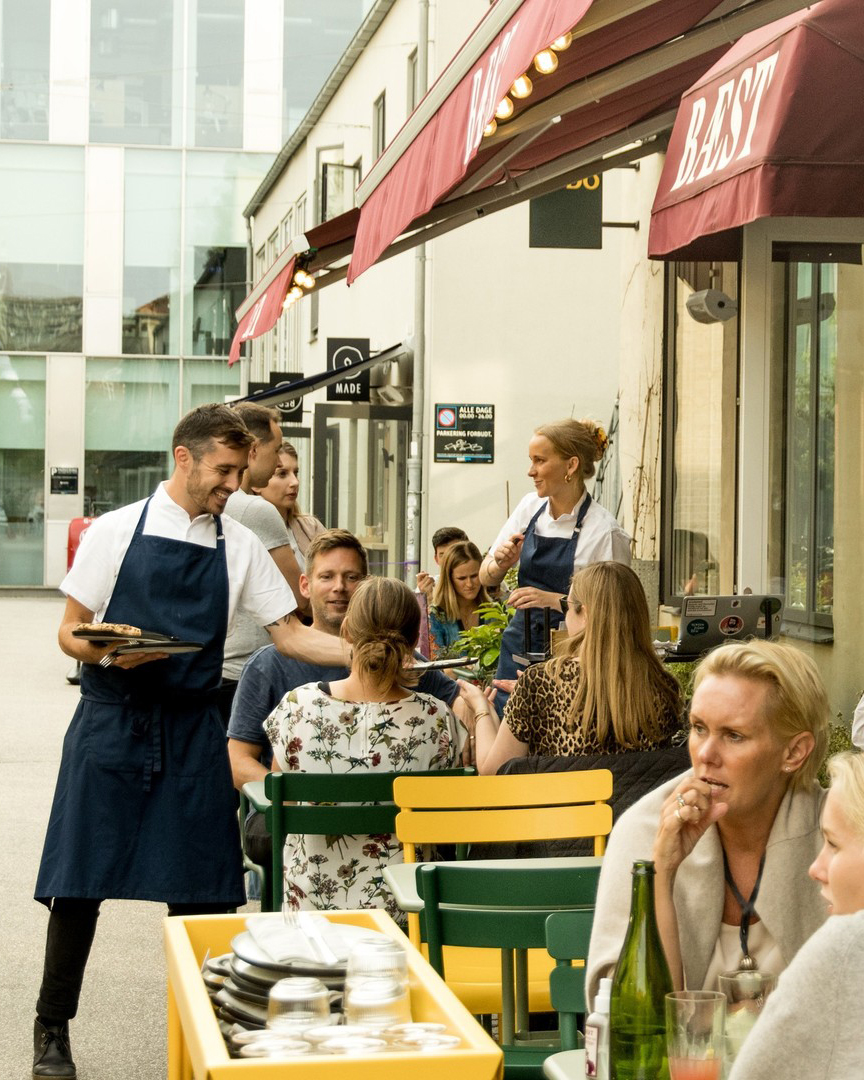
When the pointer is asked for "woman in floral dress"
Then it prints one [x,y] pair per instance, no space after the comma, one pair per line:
[369,722]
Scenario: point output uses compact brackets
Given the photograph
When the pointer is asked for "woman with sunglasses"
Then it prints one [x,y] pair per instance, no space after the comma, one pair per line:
[607,692]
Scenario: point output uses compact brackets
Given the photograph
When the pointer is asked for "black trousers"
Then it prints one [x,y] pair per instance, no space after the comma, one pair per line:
[71,929]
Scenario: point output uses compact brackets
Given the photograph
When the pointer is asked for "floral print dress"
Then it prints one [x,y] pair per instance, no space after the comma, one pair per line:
[313,732]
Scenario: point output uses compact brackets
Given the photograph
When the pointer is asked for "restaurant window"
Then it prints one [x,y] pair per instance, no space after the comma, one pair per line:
[151,272]
[131,407]
[22,469]
[219,73]
[379,126]
[132,71]
[24,52]
[802,446]
[700,437]
[41,253]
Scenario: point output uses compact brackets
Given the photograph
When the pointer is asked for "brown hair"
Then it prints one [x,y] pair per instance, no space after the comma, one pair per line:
[583,439]
[295,511]
[444,598]
[623,689]
[258,418]
[797,700]
[201,426]
[383,624]
[330,540]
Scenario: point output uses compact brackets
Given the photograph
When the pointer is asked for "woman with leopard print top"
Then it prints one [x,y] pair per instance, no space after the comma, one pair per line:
[606,692]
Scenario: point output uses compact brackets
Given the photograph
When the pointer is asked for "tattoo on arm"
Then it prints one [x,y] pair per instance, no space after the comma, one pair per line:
[279,622]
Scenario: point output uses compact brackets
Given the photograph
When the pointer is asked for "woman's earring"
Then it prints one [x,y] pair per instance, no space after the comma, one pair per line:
[567,478]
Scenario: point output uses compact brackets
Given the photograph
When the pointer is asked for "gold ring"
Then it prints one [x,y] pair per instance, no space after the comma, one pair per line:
[679,798]
[678,815]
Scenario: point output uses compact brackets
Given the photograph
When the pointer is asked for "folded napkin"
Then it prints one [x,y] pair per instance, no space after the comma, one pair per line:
[284,944]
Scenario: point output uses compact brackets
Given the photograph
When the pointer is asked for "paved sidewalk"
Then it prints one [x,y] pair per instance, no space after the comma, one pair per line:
[119,1033]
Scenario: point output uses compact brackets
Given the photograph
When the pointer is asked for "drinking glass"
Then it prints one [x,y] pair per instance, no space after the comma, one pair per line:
[377,958]
[695,1034]
[745,992]
[298,1003]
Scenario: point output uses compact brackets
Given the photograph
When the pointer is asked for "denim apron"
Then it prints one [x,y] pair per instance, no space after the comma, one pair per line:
[545,562]
[144,807]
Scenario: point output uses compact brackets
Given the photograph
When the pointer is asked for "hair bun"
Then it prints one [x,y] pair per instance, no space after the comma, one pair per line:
[601,439]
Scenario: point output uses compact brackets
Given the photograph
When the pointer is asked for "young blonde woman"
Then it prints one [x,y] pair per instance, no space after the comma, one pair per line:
[553,532]
[607,692]
[370,721]
[458,594]
[811,1023]
[282,491]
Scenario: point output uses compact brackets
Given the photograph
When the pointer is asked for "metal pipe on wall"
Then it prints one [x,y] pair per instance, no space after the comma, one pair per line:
[413,509]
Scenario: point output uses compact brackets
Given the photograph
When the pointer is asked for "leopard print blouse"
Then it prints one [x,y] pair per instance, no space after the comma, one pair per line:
[540,704]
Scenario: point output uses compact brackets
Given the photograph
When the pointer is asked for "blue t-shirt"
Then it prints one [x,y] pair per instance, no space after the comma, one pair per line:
[267,678]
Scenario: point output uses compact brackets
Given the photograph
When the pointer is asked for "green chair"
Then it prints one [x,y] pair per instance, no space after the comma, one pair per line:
[568,935]
[309,803]
[508,910]
[251,796]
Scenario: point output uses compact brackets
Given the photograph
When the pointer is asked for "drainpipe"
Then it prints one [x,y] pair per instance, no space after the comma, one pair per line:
[415,452]
[250,263]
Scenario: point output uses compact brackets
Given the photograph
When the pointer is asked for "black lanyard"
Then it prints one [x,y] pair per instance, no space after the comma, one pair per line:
[748,906]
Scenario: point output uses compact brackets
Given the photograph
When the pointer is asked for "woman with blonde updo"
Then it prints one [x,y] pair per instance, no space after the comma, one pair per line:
[370,721]
[551,534]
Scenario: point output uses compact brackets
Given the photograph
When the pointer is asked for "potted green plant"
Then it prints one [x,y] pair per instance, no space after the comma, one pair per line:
[483,643]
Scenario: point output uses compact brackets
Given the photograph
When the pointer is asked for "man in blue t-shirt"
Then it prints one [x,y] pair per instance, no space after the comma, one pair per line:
[336,563]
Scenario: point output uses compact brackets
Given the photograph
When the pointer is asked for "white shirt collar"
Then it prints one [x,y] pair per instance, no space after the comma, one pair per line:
[574,513]
[167,505]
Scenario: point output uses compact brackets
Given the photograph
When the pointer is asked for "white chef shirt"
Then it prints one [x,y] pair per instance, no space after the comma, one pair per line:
[255,586]
[601,540]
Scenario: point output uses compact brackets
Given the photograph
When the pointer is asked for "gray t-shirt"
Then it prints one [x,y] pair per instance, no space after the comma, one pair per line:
[266,522]
[809,1026]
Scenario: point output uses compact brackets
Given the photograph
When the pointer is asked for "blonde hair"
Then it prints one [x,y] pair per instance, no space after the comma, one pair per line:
[623,686]
[797,700]
[582,439]
[383,624]
[847,779]
[444,598]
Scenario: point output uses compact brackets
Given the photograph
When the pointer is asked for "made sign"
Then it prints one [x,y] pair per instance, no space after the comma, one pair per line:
[465,433]
[345,353]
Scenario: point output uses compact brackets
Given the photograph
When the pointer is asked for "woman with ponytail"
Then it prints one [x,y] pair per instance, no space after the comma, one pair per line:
[372,721]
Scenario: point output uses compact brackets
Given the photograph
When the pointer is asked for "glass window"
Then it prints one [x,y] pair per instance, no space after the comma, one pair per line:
[41,257]
[219,73]
[700,408]
[337,183]
[218,186]
[130,412]
[315,36]
[24,44]
[22,469]
[151,273]
[802,461]
[132,69]
[205,381]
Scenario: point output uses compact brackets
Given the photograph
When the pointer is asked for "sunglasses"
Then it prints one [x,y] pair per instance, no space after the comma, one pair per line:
[565,602]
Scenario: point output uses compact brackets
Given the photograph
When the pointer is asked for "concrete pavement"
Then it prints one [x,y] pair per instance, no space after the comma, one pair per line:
[119,1033]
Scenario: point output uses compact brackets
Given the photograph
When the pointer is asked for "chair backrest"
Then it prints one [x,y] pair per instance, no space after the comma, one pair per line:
[531,807]
[510,909]
[568,935]
[296,800]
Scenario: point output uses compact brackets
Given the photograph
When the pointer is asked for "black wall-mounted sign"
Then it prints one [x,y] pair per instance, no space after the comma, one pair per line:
[342,353]
[570,218]
[465,433]
[291,409]
[64,481]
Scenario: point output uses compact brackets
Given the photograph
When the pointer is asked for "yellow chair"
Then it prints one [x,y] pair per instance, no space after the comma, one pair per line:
[486,809]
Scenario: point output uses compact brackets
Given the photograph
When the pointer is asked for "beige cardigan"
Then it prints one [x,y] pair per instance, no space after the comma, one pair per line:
[789,903]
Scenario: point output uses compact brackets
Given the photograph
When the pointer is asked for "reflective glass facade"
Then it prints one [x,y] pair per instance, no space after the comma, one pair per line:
[24,47]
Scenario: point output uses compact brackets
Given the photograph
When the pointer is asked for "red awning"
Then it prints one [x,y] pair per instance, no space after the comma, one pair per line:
[772,130]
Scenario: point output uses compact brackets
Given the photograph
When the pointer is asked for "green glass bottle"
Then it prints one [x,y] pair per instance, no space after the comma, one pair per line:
[637,1021]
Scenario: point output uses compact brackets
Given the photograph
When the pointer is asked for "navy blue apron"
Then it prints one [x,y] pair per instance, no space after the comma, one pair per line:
[144,807]
[545,562]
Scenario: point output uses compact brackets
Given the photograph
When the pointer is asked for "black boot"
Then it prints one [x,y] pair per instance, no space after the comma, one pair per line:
[52,1056]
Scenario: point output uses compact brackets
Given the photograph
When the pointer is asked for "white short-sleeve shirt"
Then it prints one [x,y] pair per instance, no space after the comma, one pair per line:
[255,585]
[601,540]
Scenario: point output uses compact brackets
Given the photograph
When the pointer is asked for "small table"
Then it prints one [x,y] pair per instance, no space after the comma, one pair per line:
[402,877]
[196,1047]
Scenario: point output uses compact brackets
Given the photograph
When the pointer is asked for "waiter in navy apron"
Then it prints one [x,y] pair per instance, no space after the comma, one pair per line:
[144,806]
[550,534]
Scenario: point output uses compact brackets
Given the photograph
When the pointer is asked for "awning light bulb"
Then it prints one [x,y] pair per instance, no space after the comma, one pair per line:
[304,279]
[295,291]
[505,109]
[490,128]
[562,43]
[546,62]
[522,87]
